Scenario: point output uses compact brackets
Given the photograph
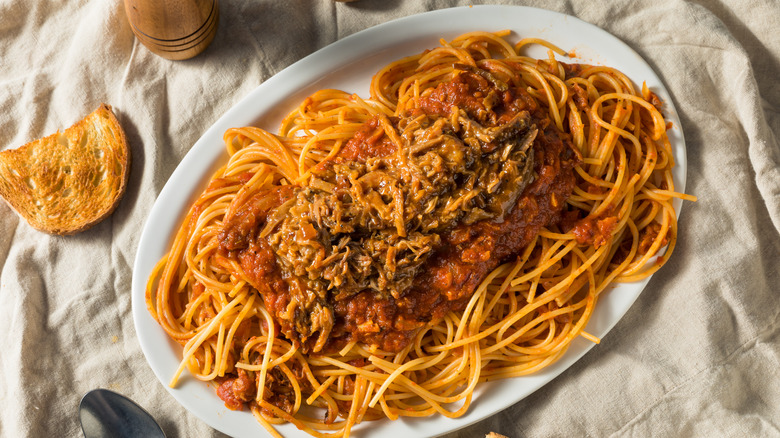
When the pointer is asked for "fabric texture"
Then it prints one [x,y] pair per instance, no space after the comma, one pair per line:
[698,354]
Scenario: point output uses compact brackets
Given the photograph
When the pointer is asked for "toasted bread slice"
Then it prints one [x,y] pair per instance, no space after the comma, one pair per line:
[71,180]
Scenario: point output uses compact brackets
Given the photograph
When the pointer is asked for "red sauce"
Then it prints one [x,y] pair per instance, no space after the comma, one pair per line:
[467,255]
[573,70]
[236,391]
[648,235]
[368,142]
[467,252]
[595,231]
[472,93]
[580,97]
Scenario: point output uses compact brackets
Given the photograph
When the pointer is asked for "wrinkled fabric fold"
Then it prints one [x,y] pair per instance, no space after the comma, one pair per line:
[696,355]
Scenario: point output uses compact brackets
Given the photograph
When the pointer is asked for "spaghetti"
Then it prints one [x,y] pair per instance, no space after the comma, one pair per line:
[380,257]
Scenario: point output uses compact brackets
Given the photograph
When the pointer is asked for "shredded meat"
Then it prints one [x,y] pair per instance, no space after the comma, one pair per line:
[370,225]
[467,254]
[407,219]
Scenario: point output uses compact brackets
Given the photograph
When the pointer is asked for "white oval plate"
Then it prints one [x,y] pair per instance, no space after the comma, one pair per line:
[349,64]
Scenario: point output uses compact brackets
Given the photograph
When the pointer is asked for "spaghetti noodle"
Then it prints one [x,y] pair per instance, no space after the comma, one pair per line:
[380,257]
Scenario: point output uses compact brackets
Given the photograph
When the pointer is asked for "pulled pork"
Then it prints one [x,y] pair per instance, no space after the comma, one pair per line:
[370,225]
[358,226]
[368,220]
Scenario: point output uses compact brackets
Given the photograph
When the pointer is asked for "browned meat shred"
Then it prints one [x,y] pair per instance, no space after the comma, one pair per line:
[382,237]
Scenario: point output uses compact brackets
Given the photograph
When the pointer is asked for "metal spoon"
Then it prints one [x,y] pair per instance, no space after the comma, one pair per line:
[105,413]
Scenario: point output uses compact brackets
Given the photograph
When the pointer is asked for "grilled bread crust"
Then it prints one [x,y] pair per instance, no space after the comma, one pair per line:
[69,181]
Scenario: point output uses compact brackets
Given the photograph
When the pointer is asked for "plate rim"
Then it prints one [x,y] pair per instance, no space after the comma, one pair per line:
[204,154]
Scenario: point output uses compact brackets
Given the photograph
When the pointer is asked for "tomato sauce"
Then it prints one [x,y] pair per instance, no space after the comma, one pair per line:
[367,142]
[595,231]
[467,253]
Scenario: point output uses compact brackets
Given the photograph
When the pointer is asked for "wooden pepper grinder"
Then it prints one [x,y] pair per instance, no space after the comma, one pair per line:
[174,29]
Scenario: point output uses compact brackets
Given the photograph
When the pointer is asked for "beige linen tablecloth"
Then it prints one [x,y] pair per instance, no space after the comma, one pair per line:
[697,355]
